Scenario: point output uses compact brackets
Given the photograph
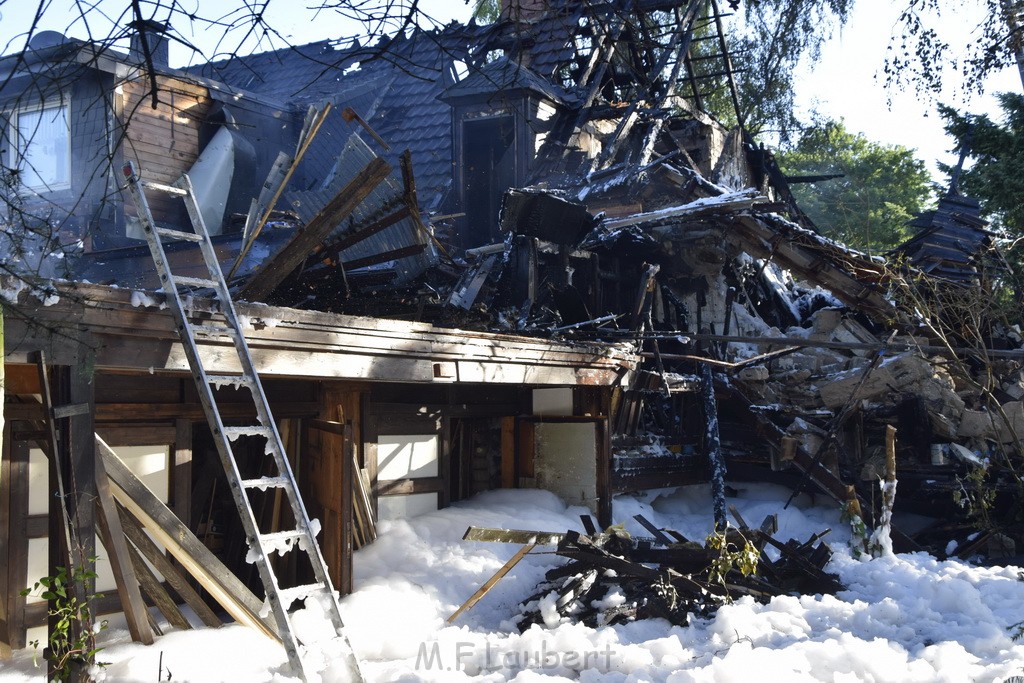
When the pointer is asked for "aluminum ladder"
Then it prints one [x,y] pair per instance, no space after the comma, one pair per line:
[306,659]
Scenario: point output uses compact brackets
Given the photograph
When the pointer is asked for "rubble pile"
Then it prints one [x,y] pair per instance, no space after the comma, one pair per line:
[613,577]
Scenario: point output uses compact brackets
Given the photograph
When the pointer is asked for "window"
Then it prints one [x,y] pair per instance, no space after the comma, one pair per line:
[42,147]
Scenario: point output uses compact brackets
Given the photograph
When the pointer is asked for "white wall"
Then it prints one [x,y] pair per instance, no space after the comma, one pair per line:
[566,461]
[150,463]
[407,456]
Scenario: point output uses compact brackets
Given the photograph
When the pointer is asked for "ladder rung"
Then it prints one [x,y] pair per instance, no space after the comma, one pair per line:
[179,235]
[278,536]
[290,595]
[236,380]
[213,330]
[250,430]
[264,483]
[194,281]
[160,187]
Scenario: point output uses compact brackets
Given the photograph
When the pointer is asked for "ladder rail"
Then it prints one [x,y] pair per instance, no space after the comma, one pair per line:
[264,416]
[222,436]
[192,354]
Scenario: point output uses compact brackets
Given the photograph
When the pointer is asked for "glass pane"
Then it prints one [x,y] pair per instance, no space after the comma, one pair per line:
[43,135]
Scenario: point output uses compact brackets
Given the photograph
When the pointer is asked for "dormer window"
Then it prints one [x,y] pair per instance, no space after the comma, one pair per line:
[40,147]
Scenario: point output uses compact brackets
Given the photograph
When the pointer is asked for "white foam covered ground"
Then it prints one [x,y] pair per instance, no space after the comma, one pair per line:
[902,618]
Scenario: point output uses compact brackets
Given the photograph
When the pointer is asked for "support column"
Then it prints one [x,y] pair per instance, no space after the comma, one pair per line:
[76,460]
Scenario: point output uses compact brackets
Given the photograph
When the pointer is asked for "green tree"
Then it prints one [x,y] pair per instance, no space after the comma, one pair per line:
[996,178]
[487,11]
[881,188]
[768,46]
[766,42]
[920,54]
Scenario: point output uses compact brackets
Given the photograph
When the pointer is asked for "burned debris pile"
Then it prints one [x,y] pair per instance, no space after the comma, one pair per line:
[613,577]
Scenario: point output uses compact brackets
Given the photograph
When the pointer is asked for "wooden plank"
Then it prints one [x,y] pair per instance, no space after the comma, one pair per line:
[19,379]
[156,592]
[347,240]
[404,487]
[121,564]
[153,150]
[315,119]
[133,530]
[181,472]
[366,506]
[477,533]
[348,483]
[484,589]
[394,254]
[136,435]
[193,412]
[279,266]
[196,558]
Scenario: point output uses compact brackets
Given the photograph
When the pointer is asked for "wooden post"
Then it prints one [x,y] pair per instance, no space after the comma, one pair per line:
[713,445]
[880,542]
[2,439]
[604,472]
[181,471]
[15,490]
[348,477]
[890,453]
[508,452]
[72,530]
[5,536]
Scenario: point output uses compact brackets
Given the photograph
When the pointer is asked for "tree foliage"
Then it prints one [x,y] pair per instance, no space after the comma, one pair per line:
[921,54]
[881,188]
[773,39]
[997,176]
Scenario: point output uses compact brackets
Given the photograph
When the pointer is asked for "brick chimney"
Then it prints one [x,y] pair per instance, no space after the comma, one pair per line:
[155,35]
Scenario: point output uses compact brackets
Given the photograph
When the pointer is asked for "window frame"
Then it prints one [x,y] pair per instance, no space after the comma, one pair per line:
[15,147]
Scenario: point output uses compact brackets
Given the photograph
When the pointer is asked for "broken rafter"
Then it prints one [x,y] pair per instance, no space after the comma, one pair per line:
[281,173]
[383,257]
[727,60]
[278,267]
[333,247]
[484,589]
[737,201]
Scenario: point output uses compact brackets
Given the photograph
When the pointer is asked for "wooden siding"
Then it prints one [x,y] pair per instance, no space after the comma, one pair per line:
[163,142]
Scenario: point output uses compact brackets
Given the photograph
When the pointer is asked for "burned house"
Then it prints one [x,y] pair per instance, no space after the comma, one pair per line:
[465,258]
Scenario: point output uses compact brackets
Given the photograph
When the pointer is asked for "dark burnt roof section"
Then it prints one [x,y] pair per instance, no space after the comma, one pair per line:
[394,85]
[953,243]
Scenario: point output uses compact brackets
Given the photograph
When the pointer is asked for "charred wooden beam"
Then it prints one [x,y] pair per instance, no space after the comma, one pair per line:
[278,267]
[713,445]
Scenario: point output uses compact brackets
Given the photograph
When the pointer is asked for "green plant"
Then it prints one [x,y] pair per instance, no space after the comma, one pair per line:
[976,496]
[72,639]
[730,557]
